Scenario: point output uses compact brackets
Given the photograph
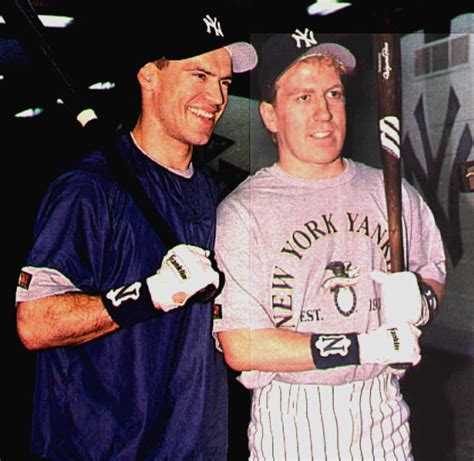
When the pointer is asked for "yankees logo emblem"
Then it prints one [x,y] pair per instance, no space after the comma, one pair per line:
[390,134]
[213,24]
[333,345]
[306,37]
[119,295]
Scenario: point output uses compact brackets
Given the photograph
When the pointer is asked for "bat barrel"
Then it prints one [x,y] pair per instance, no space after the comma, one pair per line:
[387,61]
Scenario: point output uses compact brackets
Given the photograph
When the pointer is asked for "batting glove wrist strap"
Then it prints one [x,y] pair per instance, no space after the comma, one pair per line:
[429,303]
[331,350]
[130,304]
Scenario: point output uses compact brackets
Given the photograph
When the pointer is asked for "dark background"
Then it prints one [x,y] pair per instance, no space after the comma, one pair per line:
[98,47]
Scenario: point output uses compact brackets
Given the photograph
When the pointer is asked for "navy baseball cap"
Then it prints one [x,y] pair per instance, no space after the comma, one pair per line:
[281,51]
[195,31]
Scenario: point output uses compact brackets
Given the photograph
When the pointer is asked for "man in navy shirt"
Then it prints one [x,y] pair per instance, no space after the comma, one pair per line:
[126,366]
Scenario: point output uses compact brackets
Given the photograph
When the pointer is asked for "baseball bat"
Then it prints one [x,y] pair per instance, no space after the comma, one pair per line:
[23,20]
[388,78]
[387,60]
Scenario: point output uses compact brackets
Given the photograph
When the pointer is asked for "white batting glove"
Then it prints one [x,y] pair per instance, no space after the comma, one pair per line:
[401,298]
[185,270]
[390,345]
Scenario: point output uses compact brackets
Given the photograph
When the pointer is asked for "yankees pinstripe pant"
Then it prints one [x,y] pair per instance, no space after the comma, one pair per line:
[364,420]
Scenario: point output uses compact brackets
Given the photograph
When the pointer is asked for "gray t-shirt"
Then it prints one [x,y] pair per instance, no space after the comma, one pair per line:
[297,254]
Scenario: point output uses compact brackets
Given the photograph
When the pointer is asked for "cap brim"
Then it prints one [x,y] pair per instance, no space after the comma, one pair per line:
[332,49]
[244,57]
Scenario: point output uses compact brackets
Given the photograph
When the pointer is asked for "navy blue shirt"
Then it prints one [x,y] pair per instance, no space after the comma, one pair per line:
[154,391]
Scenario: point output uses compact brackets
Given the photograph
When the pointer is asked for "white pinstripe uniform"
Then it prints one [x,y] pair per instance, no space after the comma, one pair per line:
[297,255]
[307,421]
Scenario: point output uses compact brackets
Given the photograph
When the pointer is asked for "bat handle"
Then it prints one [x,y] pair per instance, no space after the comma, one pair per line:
[400,366]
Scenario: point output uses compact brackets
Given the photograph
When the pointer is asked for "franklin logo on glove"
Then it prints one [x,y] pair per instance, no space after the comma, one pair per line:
[178,266]
[396,341]
[184,272]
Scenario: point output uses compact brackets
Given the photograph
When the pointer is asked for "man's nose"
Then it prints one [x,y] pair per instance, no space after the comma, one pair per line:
[216,93]
[321,109]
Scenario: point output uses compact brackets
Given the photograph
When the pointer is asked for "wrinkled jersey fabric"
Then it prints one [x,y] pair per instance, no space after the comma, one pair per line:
[154,391]
[297,254]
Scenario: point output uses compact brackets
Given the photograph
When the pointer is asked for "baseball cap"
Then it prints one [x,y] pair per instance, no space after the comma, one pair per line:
[192,32]
[282,51]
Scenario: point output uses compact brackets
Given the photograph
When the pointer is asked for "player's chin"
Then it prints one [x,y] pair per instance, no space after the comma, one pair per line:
[324,156]
[202,137]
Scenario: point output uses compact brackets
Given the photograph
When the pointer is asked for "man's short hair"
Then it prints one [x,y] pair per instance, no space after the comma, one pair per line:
[161,63]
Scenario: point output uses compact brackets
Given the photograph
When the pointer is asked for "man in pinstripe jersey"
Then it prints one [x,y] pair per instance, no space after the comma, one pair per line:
[309,312]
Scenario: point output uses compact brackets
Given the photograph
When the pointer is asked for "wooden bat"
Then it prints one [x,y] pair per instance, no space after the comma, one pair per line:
[389,103]
[388,72]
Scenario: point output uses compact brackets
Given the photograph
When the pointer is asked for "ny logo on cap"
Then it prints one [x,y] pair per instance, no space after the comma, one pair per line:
[307,37]
[213,24]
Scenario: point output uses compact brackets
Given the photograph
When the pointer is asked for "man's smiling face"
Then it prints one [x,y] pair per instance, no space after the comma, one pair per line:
[191,96]
[308,118]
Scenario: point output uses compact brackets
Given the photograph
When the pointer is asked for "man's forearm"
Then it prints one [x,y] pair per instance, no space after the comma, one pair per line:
[267,350]
[62,320]
[277,351]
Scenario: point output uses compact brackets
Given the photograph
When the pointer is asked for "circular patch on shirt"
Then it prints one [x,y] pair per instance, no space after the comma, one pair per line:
[345,300]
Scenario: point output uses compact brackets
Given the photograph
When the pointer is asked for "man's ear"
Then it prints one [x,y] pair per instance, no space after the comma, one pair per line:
[267,112]
[147,75]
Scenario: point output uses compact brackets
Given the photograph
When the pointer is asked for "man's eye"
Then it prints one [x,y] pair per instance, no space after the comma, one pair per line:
[336,94]
[226,83]
[303,97]
[200,75]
